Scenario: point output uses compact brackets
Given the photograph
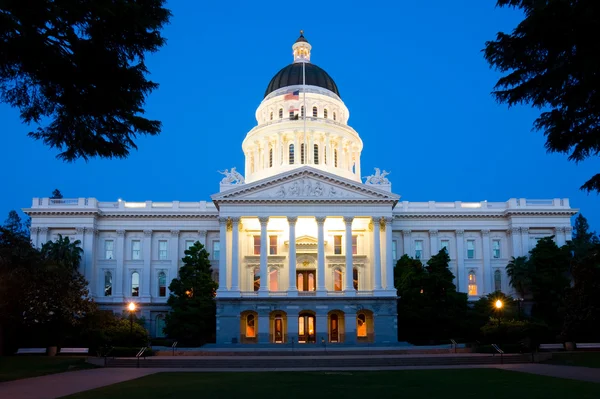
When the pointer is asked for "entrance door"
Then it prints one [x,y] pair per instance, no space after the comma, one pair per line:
[278,333]
[333,328]
[305,280]
[306,329]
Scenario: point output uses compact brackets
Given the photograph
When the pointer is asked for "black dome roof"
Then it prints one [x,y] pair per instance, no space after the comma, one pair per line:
[291,75]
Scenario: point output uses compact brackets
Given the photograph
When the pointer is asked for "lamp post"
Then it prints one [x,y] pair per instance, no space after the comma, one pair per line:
[131,308]
[499,305]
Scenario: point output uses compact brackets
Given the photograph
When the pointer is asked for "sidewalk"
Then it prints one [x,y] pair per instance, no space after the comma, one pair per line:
[569,372]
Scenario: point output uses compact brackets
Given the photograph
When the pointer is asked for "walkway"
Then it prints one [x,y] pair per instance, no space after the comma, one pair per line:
[57,385]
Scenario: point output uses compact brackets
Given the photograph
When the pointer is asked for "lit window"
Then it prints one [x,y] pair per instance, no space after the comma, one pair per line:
[472,283]
[109,249]
[394,249]
[311,281]
[135,284]
[496,249]
[497,280]
[316,154]
[418,249]
[354,245]
[162,284]
[189,244]
[162,250]
[107,283]
[256,245]
[272,245]
[361,325]
[315,113]
[291,156]
[302,155]
[270,157]
[470,249]
[337,280]
[273,280]
[335,158]
[280,113]
[256,279]
[271,115]
[355,278]
[250,326]
[337,245]
[216,250]
[325,113]
[136,250]
[334,116]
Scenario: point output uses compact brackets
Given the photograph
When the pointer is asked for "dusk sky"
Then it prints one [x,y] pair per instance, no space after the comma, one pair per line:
[411,73]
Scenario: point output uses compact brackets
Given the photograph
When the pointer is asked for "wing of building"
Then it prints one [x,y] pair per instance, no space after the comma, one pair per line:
[302,249]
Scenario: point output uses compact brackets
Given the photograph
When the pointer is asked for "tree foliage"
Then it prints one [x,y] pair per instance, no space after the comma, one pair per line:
[63,252]
[80,67]
[56,194]
[193,316]
[519,274]
[14,224]
[550,60]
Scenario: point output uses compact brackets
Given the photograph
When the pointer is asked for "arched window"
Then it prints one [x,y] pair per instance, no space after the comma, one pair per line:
[497,280]
[335,158]
[135,284]
[250,326]
[280,113]
[302,111]
[316,154]
[160,325]
[311,282]
[273,280]
[472,283]
[302,153]
[334,115]
[325,113]
[291,154]
[300,282]
[162,284]
[355,278]
[270,157]
[315,112]
[271,115]
[337,280]
[107,284]
[361,325]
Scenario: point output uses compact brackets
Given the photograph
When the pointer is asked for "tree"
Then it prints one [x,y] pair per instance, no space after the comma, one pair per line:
[550,61]
[63,252]
[192,299]
[14,224]
[56,194]
[583,240]
[80,65]
[519,274]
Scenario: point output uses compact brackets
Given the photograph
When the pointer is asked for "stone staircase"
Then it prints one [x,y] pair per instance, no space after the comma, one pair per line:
[317,362]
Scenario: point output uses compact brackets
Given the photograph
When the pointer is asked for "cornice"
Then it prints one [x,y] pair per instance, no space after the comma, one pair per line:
[503,215]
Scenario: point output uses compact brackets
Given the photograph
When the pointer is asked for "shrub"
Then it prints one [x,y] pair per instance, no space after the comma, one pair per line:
[527,333]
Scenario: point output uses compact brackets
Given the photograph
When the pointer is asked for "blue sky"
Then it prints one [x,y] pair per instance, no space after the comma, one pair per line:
[411,73]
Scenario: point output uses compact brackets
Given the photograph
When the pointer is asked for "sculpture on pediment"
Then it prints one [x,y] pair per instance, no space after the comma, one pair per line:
[231,177]
[295,189]
[378,178]
[318,189]
[280,192]
[308,188]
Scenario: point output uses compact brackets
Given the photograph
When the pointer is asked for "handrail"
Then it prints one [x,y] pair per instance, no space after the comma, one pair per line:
[500,351]
[140,354]
[173,347]
[106,351]
[454,344]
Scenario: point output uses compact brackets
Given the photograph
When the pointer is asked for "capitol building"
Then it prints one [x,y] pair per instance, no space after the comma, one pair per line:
[302,246]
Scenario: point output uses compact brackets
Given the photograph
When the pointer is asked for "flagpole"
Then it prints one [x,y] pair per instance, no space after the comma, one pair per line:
[305,111]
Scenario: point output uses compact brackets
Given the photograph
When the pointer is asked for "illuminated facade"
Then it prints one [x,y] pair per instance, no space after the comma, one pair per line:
[302,249]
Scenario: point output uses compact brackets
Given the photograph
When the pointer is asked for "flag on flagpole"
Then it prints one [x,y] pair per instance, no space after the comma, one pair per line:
[292,96]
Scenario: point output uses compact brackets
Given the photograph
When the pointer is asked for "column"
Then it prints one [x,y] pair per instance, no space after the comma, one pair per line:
[297,151]
[321,330]
[147,271]
[292,289]
[264,272]
[460,260]
[487,275]
[265,153]
[559,236]
[350,326]
[33,235]
[263,326]
[406,242]
[121,275]
[377,252]
[433,242]
[278,157]
[349,286]
[327,152]
[292,327]
[320,255]
[89,251]
[310,150]
[357,163]
[516,241]
[174,253]
[43,236]
[525,240]
[568,233]
[222,254]
[235,242]
[389,260]
[202,238]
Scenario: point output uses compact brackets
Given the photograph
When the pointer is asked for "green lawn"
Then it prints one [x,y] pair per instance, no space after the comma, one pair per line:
[17,367]
[584,359]
[447,384]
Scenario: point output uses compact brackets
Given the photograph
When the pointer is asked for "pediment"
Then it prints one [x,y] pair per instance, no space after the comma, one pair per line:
[305,184]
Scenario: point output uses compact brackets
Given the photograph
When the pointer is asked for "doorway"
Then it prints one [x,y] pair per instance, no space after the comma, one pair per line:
[306,329]
[278,330]
[305,280]
[334,332]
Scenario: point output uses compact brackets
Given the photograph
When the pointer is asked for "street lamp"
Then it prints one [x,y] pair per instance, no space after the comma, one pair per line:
[499,304]
[131,308]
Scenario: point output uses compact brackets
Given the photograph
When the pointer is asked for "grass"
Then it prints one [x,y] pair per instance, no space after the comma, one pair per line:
[17,367]
[583,359]
[447,384]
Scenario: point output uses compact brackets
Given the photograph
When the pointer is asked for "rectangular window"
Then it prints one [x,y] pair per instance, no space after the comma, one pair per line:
[136,250]
[394,249]
[418,249]
[216,250]
[470,249]
[273,280]
[337,245]
[162,250]
[189,244]
[109,249]
[354,245]
[445,244]
[496,249]
[256,245]
[272,245]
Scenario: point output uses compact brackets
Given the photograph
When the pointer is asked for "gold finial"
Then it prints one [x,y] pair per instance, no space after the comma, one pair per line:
[301,32]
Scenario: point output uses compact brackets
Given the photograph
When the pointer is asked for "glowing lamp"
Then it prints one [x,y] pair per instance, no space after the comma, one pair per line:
[499,304]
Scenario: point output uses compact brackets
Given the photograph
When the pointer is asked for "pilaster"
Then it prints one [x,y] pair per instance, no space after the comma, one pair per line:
[320,255]
[487,275]
[264,275]
[146,273]
[349,284]
[377,252]
[292,289]
[223,269]
[433,242]
[389,260]
[121,274]
[525,240]
[235,254]
[202,237]
[460,261]
[406,243]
